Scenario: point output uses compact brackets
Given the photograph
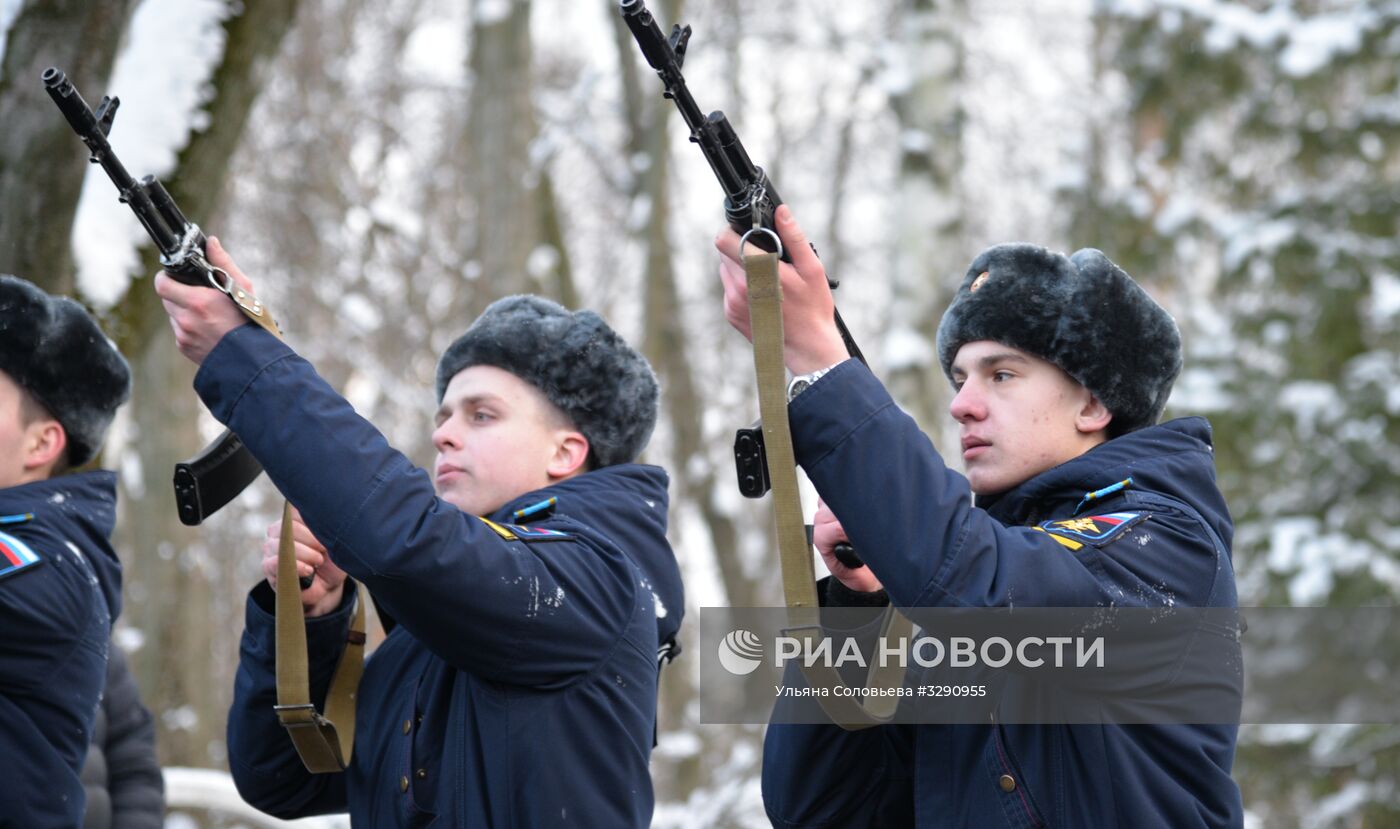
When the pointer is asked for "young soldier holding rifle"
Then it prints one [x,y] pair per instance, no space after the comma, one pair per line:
[529,579]
[1061,367]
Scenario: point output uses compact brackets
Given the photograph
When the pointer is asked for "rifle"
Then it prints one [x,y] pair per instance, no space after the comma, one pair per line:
[212,478]
[749,202]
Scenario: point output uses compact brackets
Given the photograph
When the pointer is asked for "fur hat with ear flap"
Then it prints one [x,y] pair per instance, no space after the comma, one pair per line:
[606,388]
[52,348]
[1081,312]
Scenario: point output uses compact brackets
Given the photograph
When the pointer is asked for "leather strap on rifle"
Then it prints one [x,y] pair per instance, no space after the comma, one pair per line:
[799,576]
[323,746]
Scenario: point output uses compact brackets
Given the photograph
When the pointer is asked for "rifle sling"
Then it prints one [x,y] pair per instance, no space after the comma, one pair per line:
[323,746]
[795,552]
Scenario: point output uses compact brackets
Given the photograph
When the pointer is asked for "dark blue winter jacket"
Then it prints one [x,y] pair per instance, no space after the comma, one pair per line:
[916,524]
[518,688]
[60,589]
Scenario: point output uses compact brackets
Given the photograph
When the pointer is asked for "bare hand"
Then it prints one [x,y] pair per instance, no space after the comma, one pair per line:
[810,338]
[826,534]
[328,582]
[200,315]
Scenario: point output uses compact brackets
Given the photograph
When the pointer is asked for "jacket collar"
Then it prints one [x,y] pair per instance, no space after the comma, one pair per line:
[641,479]
[85,498]
[1173,457]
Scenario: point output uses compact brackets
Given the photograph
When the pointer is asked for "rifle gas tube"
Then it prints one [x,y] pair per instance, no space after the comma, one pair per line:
[749,197]
[223,469]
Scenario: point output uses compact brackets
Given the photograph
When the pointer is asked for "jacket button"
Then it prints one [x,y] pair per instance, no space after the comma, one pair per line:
[403,784]
[1007,783]
[422,774]
[407,726]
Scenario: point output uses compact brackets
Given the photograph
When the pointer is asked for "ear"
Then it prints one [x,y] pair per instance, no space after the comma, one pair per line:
[1093,416]
[570,454]
[44,442]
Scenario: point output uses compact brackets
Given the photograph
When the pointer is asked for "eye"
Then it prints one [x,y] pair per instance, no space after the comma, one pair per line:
[482,416]
[999,376]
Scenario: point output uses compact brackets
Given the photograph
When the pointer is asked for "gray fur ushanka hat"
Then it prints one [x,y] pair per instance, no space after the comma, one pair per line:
[1083,313]
[583,367]
[54,350]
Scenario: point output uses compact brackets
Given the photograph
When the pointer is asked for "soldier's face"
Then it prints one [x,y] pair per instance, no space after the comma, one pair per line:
[1020,415]
[497,438]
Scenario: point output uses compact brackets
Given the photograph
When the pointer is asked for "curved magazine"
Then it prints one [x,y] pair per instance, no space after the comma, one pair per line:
[204,483]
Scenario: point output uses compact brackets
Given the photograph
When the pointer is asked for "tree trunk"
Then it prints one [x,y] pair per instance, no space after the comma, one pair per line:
[500,130]
[252,38]
[172,572]
[41,160]
[927,244]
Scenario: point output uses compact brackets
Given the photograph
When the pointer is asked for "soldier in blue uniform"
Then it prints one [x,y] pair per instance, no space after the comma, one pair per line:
[530,576]
[1062,367]
[61,382]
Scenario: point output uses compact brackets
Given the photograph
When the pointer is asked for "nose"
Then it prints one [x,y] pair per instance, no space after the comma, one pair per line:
[445,436]
[968,403]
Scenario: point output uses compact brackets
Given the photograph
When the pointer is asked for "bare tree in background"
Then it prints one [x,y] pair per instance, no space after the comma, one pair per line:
[648,116]
[173,576]
[41,163]
[928,241]
[497,143]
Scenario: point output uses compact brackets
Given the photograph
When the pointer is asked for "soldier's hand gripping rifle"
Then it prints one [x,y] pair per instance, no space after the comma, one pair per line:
[223,469]
[749,202]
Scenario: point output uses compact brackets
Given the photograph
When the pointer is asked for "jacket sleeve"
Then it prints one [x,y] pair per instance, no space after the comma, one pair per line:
[816,774]
[824,776]
[133,773]
[538,612]
[261,757]
[913,518]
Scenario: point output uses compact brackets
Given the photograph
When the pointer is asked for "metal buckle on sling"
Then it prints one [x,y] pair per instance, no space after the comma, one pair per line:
[299,716]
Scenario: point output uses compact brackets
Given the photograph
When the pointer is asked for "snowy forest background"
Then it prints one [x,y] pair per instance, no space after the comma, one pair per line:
[384,170]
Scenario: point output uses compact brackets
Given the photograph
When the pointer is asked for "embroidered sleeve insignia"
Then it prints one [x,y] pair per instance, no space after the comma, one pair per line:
[1097,530]
[528,534]
[516,532]
[16,556]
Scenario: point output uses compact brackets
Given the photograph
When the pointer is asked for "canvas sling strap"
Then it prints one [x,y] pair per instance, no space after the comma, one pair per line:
[799,576]
[322,745]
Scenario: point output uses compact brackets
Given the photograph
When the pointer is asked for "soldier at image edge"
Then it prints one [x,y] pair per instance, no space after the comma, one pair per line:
[61,382]
[1061,367]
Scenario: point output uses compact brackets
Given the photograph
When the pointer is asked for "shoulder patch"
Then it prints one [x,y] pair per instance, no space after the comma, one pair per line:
[1097,530]
[538,533]
[515,532]
[16,556]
